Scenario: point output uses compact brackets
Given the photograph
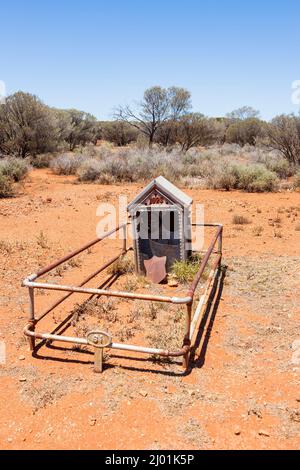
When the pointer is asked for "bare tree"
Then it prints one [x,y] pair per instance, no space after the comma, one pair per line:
[157,107]
[245,112]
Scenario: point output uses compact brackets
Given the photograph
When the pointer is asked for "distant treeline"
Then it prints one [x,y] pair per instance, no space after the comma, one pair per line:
[28,127]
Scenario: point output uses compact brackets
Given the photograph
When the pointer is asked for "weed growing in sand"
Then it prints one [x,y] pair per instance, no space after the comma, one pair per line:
[42,240]
[258,231]
[123,265]
[240,220]
[5,247]
[75,263]
[185,271]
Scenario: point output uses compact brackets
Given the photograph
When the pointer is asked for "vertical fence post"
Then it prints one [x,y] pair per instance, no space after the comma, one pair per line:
[31,339]
[220,245]
[125,238]
[187,341]
[98,360]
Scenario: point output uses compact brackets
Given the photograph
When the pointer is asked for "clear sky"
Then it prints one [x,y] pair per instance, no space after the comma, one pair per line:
[96,54]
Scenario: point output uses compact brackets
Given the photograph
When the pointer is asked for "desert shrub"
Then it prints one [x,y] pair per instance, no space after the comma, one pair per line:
[67,164]
[230,149]
[224,178]
[105,178]
[130,165]
[280,166]
[42,161]
[6,186]
[251,178]
[257,179]
[90,170]
[14,168]
[219,167]
[297,180]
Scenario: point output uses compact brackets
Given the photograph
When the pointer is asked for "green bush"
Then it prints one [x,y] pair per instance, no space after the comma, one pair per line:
[280,166]
[251,178]
[14,168]
[185,271]
[257,179]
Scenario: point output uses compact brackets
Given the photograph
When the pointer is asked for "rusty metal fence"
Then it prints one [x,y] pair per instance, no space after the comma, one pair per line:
[100,340]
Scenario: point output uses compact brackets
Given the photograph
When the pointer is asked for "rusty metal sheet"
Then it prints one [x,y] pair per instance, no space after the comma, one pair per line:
[156,268]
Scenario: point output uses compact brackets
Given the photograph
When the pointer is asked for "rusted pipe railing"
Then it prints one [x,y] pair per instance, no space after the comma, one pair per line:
[123,347]
[204,297]
[204,262]
[108,293]
[191,320]
[71,255]
[85,281]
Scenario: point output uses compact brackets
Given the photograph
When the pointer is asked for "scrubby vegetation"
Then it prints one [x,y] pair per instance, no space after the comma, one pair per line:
[297,180]
[160,135]
[12,170]
[66,164]
[6,186]
[225,167]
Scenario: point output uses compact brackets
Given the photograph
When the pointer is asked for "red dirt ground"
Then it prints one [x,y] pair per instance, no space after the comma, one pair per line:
[243,389]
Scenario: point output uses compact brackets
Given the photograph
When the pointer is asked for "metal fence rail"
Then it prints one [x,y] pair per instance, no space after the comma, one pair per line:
[99,339]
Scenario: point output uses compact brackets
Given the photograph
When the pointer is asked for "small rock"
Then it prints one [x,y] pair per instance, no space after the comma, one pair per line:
[172,283]
[143,393]
[237,431]
[22,379]
[21,358]
[92,421]
[263,433]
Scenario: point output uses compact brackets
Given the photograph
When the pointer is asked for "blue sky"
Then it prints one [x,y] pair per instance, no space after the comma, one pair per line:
[93,55]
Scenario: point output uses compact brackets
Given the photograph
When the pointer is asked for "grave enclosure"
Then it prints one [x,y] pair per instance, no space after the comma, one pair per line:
[160,220]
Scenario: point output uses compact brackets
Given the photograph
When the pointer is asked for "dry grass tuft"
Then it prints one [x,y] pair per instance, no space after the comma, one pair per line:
[258,231]
[123,265]
[240,220]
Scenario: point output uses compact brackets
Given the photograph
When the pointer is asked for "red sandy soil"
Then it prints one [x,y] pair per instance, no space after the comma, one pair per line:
[243,388]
